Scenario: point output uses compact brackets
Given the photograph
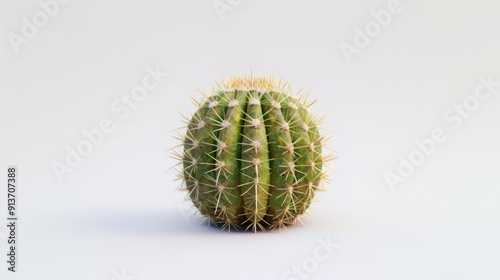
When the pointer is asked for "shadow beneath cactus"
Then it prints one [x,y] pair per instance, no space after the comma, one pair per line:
[139,221]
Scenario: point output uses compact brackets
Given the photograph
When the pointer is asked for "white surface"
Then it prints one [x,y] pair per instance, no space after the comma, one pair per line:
[119,209]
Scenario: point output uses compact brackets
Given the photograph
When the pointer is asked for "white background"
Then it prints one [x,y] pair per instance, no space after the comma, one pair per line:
[120,210]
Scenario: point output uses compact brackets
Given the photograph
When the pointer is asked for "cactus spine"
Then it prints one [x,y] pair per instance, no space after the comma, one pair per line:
[252,155]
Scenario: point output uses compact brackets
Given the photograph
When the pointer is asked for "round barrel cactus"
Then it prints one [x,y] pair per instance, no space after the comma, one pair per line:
[252,155]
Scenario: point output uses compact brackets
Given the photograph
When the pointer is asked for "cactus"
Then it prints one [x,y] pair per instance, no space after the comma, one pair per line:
[252,155]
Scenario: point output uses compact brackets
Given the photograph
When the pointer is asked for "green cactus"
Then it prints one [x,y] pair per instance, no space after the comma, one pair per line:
[252,155]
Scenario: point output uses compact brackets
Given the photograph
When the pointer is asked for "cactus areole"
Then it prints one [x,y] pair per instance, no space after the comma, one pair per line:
[252,155]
